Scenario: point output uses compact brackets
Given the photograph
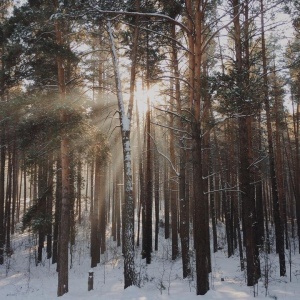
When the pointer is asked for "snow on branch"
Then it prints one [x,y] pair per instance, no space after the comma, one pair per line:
[125,121]
[166,157]
[149,15]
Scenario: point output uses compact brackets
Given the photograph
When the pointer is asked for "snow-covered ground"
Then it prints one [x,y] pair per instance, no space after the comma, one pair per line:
[21,279]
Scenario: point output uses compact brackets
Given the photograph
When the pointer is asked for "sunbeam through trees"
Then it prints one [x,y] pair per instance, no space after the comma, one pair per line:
[152,133]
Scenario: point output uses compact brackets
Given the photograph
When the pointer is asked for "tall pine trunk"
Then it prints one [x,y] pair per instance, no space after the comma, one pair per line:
[275,197]
[2,193]
[64,225]
[95,230]
[245,148]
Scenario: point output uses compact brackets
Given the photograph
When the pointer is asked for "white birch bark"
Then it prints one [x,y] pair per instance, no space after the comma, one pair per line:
[129,268]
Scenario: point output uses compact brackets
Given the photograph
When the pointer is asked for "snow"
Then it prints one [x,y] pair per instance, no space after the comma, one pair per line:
[125,121]
[21,279]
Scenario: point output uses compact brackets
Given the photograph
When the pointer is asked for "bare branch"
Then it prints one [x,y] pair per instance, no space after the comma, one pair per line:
[172,128]
[163,155]
[149,15]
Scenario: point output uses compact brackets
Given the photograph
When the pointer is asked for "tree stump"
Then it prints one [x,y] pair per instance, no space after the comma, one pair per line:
[91,281]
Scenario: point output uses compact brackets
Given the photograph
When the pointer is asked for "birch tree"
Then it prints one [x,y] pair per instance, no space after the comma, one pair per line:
[125,122]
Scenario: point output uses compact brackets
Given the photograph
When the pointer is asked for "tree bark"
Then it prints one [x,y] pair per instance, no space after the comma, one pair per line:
[58,196]
[245,147]
[2,194]
[183,200]
[196,17]
[64,226]
[95,231]
[129,267]
[275,197]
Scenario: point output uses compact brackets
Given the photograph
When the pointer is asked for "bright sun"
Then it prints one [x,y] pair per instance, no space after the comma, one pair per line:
[141,96]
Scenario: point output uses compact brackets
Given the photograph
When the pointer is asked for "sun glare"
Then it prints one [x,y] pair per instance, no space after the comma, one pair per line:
[142,95]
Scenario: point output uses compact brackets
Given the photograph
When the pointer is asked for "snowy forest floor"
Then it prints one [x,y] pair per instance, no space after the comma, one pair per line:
[20,278]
